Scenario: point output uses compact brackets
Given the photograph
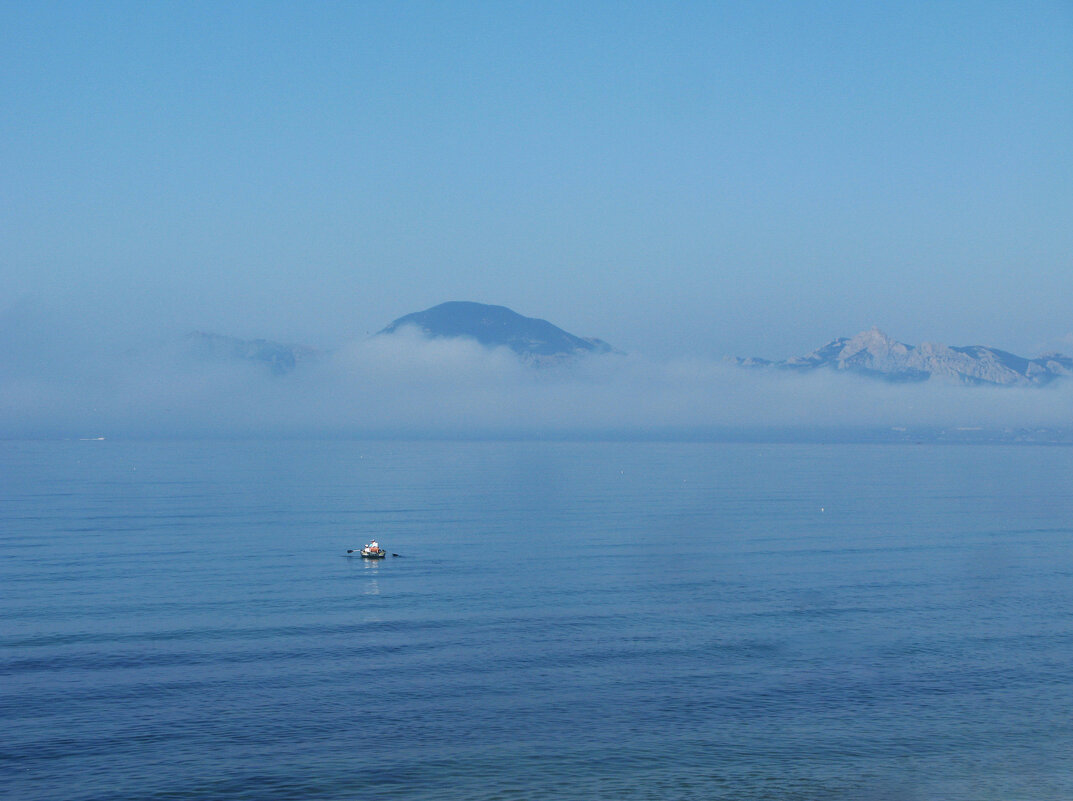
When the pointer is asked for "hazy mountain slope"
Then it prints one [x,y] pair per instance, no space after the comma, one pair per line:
[279,358]
[498,326]
[874,353]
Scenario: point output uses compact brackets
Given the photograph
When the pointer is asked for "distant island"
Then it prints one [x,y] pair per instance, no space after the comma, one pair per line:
[540,343]
[533,339]
[872,353]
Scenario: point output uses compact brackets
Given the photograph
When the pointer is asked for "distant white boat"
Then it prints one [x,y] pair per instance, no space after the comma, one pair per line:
[91,439]
[370,551]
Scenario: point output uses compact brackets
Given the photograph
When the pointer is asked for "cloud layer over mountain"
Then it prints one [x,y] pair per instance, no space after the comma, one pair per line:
[405,384]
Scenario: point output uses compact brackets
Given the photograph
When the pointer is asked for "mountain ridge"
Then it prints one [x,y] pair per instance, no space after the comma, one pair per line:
[872,353]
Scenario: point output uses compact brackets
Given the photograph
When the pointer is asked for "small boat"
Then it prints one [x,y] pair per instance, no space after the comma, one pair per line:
[368,552]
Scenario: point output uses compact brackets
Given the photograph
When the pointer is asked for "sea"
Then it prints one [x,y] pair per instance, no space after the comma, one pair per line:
[555,620]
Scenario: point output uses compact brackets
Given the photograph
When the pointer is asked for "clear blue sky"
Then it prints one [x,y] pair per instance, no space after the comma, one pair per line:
[715,178]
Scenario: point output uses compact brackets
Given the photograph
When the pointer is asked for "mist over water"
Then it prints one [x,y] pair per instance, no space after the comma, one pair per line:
[405,384]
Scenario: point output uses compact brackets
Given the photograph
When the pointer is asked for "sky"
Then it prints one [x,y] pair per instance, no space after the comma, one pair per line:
[704,178]
[687,181]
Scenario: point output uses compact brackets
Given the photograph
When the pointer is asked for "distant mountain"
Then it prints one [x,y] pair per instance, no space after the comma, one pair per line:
[875,354]
[277,357]
[497,326]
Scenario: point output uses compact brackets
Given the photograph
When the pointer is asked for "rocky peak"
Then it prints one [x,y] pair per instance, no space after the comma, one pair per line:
[874,353]
[874,350]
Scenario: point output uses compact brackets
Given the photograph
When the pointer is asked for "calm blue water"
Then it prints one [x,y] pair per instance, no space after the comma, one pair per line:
[565,621]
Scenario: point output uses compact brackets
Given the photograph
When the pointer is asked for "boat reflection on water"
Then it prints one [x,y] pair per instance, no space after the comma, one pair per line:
[372,586]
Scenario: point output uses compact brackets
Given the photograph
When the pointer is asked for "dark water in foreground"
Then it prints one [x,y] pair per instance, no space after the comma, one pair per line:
[566,621]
